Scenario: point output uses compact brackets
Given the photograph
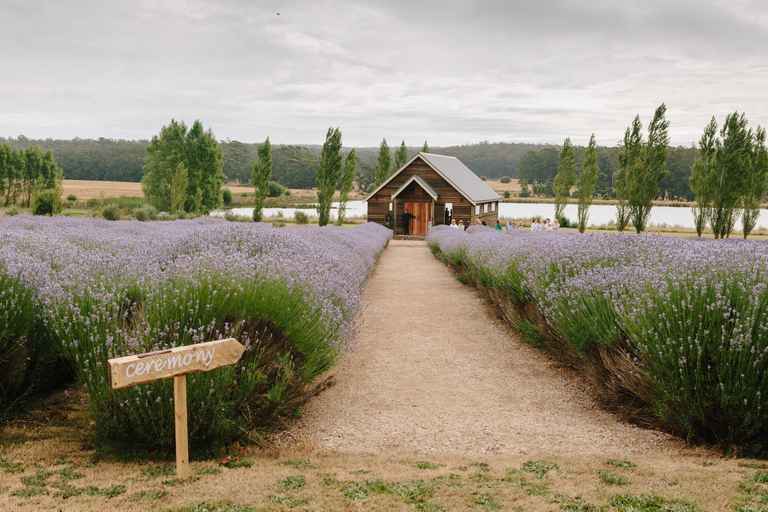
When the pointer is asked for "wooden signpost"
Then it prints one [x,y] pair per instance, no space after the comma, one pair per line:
[177,363]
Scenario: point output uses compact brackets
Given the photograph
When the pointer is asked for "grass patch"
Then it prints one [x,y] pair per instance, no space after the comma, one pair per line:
[293,483]
[427,465]
[215,507]
[106,492]
[650,503]
[299,464]
[486,501]
[158,470]
[10,467]
[288,501]
[234,463]
[151,495]
[540,468]
[611,478]
[621,464]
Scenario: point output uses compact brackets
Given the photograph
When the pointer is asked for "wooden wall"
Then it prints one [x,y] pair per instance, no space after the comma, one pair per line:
[378,204]
[463,210]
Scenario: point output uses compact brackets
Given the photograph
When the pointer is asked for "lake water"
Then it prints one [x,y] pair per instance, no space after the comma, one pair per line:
[599,214]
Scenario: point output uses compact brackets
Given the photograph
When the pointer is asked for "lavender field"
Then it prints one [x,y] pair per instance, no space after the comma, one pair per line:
[673,332]
[76,292]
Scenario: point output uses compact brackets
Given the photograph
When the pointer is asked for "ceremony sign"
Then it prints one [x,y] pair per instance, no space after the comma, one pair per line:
[177,363]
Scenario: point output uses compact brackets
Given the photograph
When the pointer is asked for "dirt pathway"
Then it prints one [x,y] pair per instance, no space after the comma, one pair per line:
[432,371]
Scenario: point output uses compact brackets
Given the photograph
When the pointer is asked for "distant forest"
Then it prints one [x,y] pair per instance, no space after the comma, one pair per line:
[295,166]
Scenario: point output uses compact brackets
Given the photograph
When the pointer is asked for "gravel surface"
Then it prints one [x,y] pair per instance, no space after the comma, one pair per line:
[432,371]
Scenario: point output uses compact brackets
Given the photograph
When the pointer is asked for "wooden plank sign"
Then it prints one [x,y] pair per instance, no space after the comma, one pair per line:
[130,370]
[177,363]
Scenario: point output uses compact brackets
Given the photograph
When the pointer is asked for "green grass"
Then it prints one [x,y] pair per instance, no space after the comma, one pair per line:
[621,463]
[540,468]
[611,478]
[292,483]
[649,503]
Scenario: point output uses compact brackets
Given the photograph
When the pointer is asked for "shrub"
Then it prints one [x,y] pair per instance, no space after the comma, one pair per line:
[10,212]
[276,189]
[111,212]
[27,354]
[146,213]
[93,203]
[46,202]
[71,200]
[505,179]
[301,217]
[507,195]
[288,296]
[226,196]
[672,331]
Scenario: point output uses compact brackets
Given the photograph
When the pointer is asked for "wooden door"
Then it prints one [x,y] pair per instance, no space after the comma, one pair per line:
[421,216]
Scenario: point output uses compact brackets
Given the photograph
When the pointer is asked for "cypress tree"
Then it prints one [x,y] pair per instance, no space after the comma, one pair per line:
[383,164]
[262,172]
[629,156]
[329,173]
[425,147]
[401,156]
[565,178]
[345,184]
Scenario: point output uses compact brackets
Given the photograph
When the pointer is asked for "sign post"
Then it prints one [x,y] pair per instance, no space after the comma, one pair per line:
[177,363]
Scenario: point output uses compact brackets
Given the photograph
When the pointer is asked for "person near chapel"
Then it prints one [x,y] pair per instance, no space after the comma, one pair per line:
[405,220]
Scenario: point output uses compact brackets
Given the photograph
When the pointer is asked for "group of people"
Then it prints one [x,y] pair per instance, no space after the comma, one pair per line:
[547,225]
[536,225]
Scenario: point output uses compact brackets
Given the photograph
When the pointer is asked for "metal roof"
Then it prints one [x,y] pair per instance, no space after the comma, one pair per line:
[423,184]
[453,170]
[461,177]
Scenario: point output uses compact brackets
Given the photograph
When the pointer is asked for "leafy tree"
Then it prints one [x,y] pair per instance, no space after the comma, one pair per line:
[329,173]
[703,167]
[728,178]
[205,168]
[345,184]
[179,188]
[425,147]
[383,165]
[401,156]
[262,172]
[586,183]
[201,155]
[538,168]
[277,190]
[5,167]
[647,168]
[755,189]
[565,178]
[164,154]
[46,202]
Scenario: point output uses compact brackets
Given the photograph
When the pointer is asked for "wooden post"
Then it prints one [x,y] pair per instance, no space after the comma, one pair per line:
[182,439]
[177,363]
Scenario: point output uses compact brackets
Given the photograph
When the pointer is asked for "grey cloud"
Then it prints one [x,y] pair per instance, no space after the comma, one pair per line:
[451,72]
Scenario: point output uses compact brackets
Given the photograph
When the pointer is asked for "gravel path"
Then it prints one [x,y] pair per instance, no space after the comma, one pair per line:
[432,371]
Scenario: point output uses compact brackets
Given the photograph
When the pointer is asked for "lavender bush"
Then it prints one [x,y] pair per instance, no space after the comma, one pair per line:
[670,328]
[107,289]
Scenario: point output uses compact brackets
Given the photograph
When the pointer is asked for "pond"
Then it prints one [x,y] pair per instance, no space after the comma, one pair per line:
[599,214]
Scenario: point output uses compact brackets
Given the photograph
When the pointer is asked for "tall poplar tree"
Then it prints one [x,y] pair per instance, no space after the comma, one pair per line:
[345,184]
[565,178]
[179,188]
[727,181]
[644,176]
[425,147]
[262,172]
[630,153]
[401,156]
[586,182]
[703,167]
[329,173]
[383,164]
[755,189]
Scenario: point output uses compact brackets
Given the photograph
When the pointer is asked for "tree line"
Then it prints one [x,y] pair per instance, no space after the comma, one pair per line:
[728,176]
[30,178]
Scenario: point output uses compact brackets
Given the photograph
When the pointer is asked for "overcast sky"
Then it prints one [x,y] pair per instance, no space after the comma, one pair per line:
[448,71]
